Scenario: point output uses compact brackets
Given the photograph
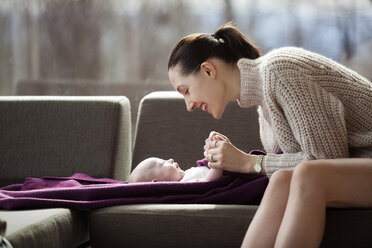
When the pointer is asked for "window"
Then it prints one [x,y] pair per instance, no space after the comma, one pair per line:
[121,47]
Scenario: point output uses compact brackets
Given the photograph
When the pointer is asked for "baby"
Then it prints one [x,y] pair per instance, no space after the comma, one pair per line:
[157,169]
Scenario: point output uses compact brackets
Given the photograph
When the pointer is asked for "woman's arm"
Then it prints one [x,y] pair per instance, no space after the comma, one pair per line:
[308,122]
[224,155]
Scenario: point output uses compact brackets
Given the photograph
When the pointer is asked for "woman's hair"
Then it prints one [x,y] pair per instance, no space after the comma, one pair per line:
[227,44]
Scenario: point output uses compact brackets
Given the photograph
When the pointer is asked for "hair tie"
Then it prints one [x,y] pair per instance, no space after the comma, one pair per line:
[220,40]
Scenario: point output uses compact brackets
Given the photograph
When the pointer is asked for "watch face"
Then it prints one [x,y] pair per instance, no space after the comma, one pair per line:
[257,168]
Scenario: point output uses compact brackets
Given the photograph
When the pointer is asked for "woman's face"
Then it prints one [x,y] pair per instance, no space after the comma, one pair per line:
[202,90]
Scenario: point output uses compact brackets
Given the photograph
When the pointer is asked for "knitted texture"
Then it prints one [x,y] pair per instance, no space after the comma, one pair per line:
[310,107]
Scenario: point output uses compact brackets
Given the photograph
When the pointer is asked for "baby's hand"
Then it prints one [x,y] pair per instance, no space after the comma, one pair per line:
[217,136]
[213,141]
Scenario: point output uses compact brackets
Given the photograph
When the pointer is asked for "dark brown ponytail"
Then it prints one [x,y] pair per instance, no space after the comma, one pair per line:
[227,44]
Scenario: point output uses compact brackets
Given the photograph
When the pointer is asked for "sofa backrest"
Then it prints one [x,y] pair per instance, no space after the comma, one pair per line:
[166,129]
[59,136]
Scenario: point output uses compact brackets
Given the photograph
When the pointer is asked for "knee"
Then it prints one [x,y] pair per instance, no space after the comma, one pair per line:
[278,186]
[280,179]
[307,178]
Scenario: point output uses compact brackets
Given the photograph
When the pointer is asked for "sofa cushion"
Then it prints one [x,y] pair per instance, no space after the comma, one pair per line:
[170,225]
[208,225]
[349,227]
[58,136]
[166,129]
[57,227]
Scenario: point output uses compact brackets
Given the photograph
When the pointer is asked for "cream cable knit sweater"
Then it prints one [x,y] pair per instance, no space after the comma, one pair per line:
[310,107]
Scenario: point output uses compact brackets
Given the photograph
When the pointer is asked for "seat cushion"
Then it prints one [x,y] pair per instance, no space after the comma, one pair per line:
[56,227]
[170,225]
[208,225]
[348,228]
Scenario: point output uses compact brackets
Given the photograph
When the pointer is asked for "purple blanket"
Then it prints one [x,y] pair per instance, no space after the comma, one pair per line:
[86,193]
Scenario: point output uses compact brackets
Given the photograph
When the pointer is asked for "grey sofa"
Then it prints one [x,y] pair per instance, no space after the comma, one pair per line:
[165,129]
[60,136]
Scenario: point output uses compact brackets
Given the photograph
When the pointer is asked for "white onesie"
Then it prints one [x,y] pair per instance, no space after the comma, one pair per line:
[195,173]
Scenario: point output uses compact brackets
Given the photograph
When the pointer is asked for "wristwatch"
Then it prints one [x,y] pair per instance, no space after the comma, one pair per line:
[258,167]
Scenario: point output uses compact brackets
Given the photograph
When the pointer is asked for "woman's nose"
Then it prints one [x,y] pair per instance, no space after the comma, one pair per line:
[190,105]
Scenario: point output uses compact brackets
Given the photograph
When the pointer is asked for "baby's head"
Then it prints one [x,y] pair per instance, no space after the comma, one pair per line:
[156,169]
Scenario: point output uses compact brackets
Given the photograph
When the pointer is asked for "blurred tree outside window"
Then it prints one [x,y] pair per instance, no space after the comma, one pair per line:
[121,47]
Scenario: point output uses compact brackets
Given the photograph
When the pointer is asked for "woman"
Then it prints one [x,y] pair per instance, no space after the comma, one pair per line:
[310,107]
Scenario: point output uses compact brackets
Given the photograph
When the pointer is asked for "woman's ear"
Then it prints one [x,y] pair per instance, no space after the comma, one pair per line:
[209,69]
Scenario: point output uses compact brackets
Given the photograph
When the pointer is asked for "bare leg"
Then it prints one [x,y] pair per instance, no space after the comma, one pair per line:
[265,225]
[316,185]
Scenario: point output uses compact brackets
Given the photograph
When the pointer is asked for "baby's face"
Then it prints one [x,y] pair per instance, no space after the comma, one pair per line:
[162,170]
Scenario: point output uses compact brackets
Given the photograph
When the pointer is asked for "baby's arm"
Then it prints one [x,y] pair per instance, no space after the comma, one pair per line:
[213,174]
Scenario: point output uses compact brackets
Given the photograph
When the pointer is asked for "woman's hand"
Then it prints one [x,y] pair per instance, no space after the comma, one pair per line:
[215,137]
[211,142]
[224,155]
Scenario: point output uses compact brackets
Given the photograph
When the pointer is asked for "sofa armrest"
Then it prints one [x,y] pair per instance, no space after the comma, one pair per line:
[59,136]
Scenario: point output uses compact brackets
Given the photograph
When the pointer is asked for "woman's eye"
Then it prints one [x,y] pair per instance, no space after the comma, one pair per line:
[186,92]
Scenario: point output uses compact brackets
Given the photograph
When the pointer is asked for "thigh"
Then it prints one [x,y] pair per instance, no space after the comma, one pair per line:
[347,182]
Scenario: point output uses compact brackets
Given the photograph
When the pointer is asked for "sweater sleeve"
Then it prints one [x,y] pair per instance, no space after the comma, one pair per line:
[308,121]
